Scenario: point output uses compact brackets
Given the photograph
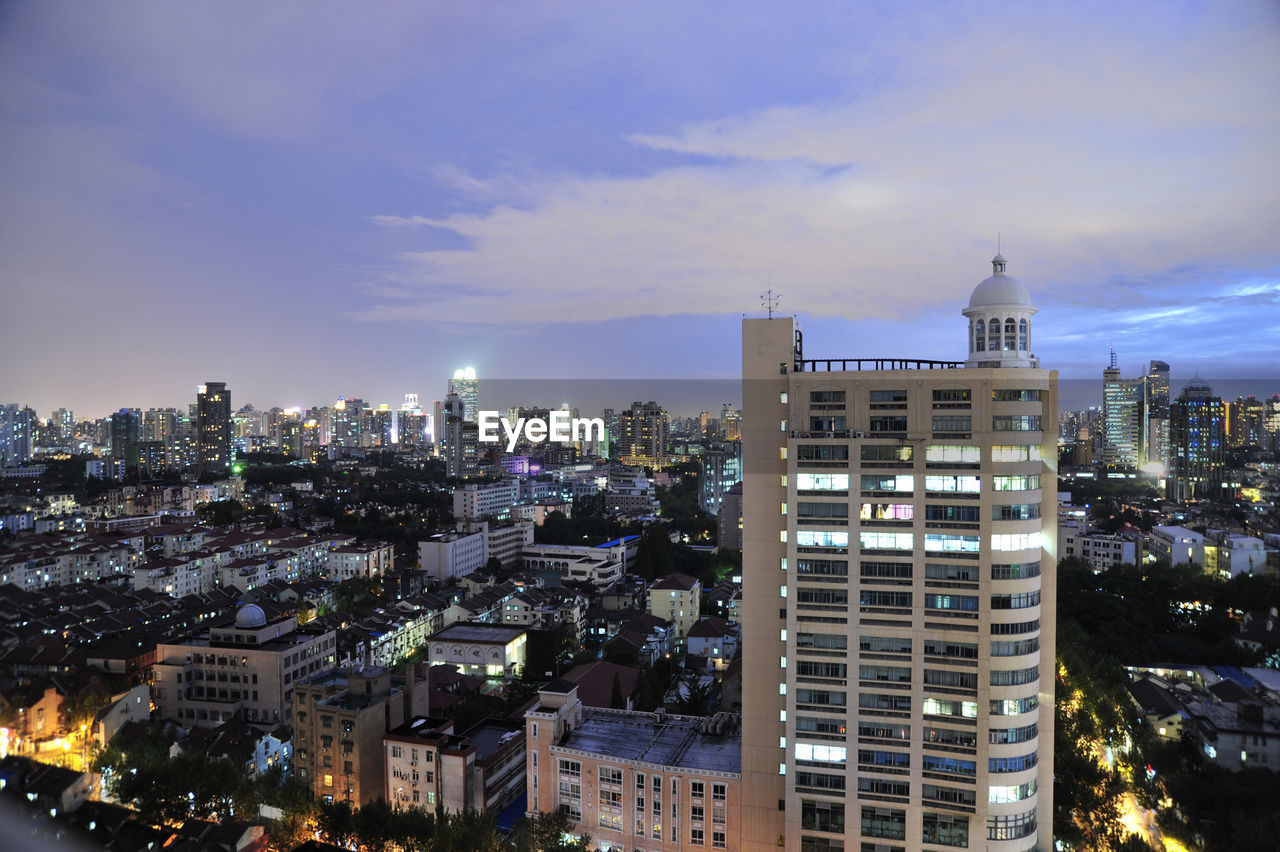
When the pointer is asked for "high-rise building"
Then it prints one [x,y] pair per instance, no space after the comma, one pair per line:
[1156,397]
[63,425]
[1123,418]
[899,563]
[1197,443]
[16,422]
[721,469]
[382,426]
[731,422]
[213,424]
[411,423]
[461,439]
[345,422]
[1244,425]
[126,431]
[158,424]
[642,435]
[465,384]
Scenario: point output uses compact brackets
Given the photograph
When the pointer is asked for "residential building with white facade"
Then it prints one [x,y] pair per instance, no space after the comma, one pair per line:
[899,583]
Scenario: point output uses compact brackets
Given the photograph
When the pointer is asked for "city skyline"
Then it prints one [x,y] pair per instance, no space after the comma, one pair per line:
[302,208]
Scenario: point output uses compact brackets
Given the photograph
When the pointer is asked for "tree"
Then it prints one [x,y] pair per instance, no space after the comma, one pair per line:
[546,832]
[616,701]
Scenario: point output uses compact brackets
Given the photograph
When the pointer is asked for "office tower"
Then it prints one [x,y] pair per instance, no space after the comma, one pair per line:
[1156,397]
[609,446]
[465,384]
[642,435]
[731,423]
[899,563]
[213,424]
[1197,443]
[721,465]
[1244,425]
[126,431]
[1123,419]
[15,434]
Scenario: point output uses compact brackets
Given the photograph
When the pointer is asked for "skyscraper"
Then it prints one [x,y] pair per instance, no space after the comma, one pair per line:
[1123,418]
[213,424]
[461,439]
[465,384]
[346,420]
[16,422]
[899,590]
[1197,443]
[1157,403]
[126,431]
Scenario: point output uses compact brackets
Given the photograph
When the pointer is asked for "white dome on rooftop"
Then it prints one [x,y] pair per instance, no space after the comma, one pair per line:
[251,616]
[999,289]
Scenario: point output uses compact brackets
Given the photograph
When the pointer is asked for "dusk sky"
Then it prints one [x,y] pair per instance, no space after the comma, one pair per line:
[308,200]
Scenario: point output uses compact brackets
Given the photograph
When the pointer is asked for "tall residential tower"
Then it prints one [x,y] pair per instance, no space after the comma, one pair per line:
[213,425]
[899,563]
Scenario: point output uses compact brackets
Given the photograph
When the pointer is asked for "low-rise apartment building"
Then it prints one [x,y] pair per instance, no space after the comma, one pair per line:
[481,769]
[247,666]
[339,720]
[633,780]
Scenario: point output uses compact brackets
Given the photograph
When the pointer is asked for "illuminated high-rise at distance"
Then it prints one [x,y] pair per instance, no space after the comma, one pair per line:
[1123,417]
[1197,443]
[465,384]
[16,422]
[899,584]
[1157,430]
[346,420]
[213,425]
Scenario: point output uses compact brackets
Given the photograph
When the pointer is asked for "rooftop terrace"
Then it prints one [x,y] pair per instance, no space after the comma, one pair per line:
[661,740]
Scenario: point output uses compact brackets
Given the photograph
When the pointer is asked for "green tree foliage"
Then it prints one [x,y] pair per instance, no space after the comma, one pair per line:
[545,833]
[1154,613]
[1149,614]
[654,557]
[79,708]
[587,523]
[220,512]
[616,700]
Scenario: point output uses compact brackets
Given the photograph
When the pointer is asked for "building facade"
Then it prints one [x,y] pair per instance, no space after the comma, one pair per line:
[245,669]
[213,423]
[1123,418]
[899,583]
[340,718]
[1197,444]
[633,780]
[482,769]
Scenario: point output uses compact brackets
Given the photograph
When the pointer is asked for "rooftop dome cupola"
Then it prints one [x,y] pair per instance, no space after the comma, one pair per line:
[999,315]
[251,617]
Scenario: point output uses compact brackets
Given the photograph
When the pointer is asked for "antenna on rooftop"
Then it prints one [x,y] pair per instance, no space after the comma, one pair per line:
[769,300]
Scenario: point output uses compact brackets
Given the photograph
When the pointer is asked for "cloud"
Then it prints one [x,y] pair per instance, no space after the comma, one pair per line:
[1129,150]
